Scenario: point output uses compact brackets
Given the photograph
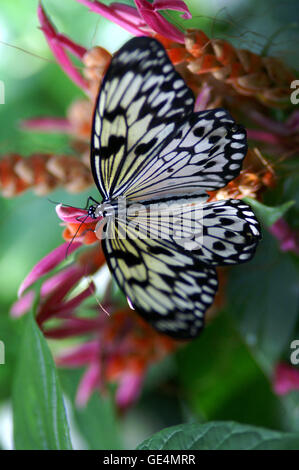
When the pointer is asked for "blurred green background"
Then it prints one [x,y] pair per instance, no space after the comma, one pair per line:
[224,374]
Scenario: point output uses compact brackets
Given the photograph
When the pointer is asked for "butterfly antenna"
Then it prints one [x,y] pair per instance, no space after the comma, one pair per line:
[58,203]
[27,52]
[90,198]
[73,238]
[97,300]
[78,218]
[101,306]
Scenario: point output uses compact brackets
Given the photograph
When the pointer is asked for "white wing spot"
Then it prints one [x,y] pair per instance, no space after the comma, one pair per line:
[237,156]
[239,136]
[236,145]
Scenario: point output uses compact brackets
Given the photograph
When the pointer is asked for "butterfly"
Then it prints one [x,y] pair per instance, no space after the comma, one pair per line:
[151,151]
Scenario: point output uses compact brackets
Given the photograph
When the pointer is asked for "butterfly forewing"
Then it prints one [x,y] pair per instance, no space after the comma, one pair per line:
[205,154]
[141,100]
[147,142]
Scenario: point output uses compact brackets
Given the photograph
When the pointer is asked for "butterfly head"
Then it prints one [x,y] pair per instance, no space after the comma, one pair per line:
[98,211]
[94,211]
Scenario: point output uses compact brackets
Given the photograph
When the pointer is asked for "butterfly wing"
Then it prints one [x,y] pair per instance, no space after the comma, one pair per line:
[140,101]
[204,154]
[162,256]
[169,288]
[147,142]
[218,233]
[231,233]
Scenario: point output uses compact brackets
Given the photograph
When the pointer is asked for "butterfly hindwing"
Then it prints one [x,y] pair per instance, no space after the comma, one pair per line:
[231,233]
[169,288]
[218,233]
[162,253]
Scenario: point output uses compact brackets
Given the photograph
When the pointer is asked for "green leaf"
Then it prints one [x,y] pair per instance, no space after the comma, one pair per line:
[97,421]
[9,335]
[263,299]
[222,380]
[220,436]
[40,421]
[268,215]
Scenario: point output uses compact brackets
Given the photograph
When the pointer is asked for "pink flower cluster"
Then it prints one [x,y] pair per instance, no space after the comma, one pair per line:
[120,346]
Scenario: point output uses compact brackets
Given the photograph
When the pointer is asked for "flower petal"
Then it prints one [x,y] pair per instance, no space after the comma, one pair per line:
[203,98]
[286,379]
[72,327]
[158,23]
[72,46]
[54,302]
[47,264]
[22,305]
[48,125]
[287,237]
[90,381]
[79,355]
[177,5]
[70,305]
[127,12]
[56,46]
[70,215]
[112,15]
[129,388]
[293,122]
[57,280]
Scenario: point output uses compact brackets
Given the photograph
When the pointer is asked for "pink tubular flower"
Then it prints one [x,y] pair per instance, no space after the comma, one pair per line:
[57,302]
[23,305]
[129,388]
[54,291]
[89,382]
[281,136]
[286,379]
[54,295]
[58,43]
[46,264]
[123,15]
[73,215]
[120,345]
[77,123]
[287,237]
[149,12]
[146,16]
[121,351]
[145,19]
[48,124]
[203,98]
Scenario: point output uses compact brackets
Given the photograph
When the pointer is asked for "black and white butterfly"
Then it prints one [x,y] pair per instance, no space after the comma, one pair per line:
[150,149]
